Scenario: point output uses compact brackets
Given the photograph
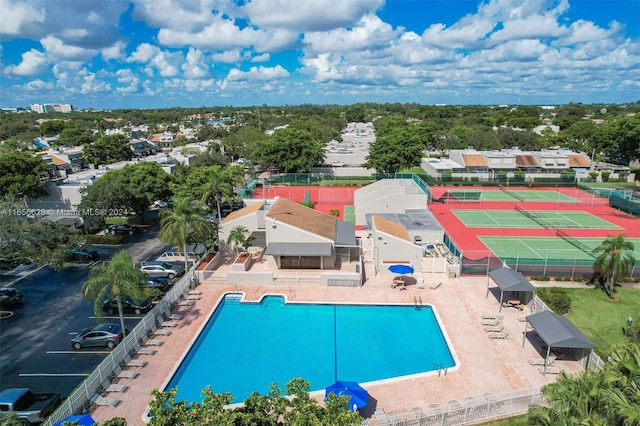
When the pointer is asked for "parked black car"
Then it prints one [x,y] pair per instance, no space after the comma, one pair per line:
[9,296]
[129,306]
[159,283]
[109,335]
[124,228]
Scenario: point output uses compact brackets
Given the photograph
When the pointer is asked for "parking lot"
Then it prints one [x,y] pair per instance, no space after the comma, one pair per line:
[36,339]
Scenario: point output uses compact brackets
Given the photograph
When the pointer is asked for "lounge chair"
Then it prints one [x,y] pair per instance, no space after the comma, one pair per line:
[551,369]
[187,303]
[195,293]
[176,317]
[492,316]
[194,297]
[435,285]
[133,362]
[106,401]
[162,332]
[491,322]
[541,361]
[113,387]
[143,351]
[494,328]
[499,335]
[124,374]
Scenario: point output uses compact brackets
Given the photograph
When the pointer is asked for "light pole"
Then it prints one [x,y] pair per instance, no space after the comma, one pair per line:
[629,323]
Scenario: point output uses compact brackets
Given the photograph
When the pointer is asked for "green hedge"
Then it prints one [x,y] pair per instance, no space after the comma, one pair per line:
[556,299]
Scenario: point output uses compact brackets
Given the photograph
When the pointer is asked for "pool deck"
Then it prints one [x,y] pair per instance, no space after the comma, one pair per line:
[485,366]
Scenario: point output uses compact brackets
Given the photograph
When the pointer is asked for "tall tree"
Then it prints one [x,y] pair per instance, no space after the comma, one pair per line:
[614,260]
[21,175]
[117,279]
[107,150]
[216,188]
[238,236]
[27,241]
[181,223]
[398,148]
[291,150]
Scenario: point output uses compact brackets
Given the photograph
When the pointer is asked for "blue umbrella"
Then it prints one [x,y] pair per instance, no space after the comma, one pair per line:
[358,394]
[82,419]
[401,269]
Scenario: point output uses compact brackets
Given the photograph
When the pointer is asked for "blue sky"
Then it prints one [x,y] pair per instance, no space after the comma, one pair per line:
[191,53]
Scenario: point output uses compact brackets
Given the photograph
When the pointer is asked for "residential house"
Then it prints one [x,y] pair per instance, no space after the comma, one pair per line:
[163,141]
[293,236]
[141,147]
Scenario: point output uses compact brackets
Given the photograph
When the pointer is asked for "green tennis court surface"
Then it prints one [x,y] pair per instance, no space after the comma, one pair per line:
[509,195]
[551,250]
[531,219]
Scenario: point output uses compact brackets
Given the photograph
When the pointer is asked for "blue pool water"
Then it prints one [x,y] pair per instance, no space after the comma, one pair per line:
[246,346]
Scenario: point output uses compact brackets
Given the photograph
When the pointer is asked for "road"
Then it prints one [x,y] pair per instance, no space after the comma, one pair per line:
[35,348]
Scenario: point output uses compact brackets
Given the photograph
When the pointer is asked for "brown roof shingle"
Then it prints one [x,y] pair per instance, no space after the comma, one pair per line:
[392,228]
[578,160]
[474,160]
[303,217]
[527,160]
[245,211]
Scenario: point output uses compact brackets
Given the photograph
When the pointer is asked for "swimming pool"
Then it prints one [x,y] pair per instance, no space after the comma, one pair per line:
[246,346]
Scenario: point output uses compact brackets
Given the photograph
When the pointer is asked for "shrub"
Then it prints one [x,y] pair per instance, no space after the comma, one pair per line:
[106,239]
[605,175]
[593,175]
[556,299]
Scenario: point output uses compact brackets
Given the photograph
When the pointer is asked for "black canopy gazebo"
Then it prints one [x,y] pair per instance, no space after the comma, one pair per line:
[509,280]
[557,331]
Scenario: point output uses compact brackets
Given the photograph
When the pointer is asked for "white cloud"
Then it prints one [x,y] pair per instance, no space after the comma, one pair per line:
[370,32]
[33,63]
[114,52]
[194,66]
[316,15]
[57,50]
[265,57]
[143,53]
[16,14]
[258,74]
[228,56]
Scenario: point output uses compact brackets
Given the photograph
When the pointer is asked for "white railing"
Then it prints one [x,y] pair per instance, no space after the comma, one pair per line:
[470,411]
[79,400]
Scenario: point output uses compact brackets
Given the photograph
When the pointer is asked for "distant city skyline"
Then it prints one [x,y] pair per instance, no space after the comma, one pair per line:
[166,53]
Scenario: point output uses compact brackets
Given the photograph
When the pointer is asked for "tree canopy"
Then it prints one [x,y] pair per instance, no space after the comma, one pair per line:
[21,175]
[108,150]
[291,150]
[293,407]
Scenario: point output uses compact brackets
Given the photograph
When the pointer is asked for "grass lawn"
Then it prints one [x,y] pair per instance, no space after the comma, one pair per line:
[601,319]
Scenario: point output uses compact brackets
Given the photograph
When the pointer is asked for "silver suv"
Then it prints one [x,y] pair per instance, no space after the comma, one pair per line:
[163,269]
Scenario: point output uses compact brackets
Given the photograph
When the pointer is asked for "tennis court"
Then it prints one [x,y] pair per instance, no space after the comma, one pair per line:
[524,218]
[547,250]
[523,195]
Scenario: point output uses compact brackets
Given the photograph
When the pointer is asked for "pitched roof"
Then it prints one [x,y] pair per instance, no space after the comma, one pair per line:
[389,227]
[578,160]
[304,217]
[58,161]
[474,160]
[527,160]
[245,211]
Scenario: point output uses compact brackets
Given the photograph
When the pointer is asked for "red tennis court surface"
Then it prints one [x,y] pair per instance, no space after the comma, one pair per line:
[325,198]
[467,238]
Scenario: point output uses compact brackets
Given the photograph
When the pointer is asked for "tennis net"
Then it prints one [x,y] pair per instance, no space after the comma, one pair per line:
[571,240]
[533,216]
[510,192]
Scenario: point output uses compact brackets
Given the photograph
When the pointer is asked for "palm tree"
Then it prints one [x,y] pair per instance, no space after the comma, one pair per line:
[182,223]
[238,236]
[614,260]
[116,279]
[217,188]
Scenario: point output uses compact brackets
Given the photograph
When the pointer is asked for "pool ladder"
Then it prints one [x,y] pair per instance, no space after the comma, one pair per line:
[417,301]
[440,368]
